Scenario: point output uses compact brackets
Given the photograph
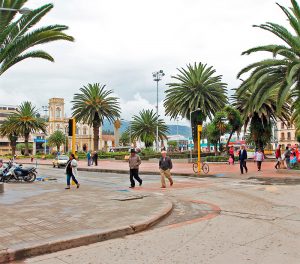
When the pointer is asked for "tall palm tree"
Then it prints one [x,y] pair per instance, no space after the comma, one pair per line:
[57,139]
[196,87]
[17,36]
[234,121]
[143,127]
[7,130]
[260,116]
[26,121]
[280,72]
[93,105]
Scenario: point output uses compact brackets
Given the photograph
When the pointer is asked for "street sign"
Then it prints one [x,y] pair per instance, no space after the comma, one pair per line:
[40,140]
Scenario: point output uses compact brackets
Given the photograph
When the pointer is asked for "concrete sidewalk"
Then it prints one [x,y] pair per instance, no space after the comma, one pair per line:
[43,217]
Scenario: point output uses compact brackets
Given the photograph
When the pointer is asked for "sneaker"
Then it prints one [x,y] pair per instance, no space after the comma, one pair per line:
[163,187]
[67,188]
[78,186]
[171,184]
[141,183]
[131,187]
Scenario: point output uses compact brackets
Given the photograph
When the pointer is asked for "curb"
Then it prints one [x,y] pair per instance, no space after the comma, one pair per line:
[72,241]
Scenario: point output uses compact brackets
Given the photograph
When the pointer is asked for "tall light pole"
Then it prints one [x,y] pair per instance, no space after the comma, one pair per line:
[45,109]
[22,11]
[157,76]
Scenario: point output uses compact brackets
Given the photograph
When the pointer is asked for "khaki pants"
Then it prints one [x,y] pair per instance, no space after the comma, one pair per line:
[167,174]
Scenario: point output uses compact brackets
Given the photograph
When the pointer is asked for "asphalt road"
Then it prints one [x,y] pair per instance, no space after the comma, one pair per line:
[215,220]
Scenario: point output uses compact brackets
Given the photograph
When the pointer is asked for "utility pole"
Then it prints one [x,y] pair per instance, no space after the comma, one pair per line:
[157,76]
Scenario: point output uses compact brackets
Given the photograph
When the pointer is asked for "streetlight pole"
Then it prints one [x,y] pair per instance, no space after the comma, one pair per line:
[157,77]
[22,11]
[45,109]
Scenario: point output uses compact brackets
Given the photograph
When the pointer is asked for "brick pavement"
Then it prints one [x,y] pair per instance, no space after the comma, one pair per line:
[183,167]
[43,213]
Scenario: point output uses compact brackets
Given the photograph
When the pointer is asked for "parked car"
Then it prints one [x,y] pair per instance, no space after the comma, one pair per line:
[60,161]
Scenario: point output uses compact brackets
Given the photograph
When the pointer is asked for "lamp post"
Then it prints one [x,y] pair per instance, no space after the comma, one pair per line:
[45,109]
[157,76]
[22,11]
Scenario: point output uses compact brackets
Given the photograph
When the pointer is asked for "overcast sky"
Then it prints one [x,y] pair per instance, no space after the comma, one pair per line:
[120,43]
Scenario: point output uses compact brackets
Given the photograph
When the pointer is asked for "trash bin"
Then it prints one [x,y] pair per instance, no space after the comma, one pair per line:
[1,187]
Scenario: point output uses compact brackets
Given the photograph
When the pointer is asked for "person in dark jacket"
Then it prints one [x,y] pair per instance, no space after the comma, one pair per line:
[165,166]
[134,163]
[242,158]
[95,158]
[278,157]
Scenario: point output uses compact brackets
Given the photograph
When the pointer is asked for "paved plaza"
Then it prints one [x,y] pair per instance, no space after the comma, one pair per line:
[214,219]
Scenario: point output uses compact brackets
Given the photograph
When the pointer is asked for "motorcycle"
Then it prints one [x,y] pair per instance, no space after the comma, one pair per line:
[16,172]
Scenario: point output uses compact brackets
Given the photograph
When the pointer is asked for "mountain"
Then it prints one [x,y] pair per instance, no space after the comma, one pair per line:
[182,130]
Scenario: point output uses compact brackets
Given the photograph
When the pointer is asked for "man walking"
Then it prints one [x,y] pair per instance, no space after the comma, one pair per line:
[287,157]
[95,158]
[242,159]
[278,157]
[259,157]
[134,163]
[165,166]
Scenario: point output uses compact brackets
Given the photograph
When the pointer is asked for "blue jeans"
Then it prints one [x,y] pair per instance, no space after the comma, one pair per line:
[69,176]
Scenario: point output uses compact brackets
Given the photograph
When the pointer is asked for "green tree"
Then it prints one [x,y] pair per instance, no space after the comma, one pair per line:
[25,122]
[196,87]
[21,147]
[234,121]
[213,135]
[18,36]
[260,117]
[281,71]
[57,139]
[143,127]
[6,130]
[93,105]
[125,138]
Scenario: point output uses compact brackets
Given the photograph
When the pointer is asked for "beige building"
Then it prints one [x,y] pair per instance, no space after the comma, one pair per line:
[84,133]
[286,134]
[5,111]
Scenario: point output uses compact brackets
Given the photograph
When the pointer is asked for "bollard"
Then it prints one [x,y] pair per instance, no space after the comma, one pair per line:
[1,187]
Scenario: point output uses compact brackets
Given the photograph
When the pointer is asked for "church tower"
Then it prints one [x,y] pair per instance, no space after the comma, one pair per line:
[56,115]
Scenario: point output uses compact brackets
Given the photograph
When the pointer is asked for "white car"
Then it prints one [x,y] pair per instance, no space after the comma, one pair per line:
[60,161]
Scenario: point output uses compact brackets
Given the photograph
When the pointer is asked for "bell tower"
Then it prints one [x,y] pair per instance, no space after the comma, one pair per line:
[56,114]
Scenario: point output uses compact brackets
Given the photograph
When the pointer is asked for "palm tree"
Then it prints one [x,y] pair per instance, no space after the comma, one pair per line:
[280,72]
[26,121]
[234,120]
[260,116]
[196,87]
[6,130]
[17,36]
[93,105]
[57,139]
[143,127]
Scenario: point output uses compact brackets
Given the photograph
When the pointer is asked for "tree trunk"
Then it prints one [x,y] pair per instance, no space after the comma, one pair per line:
[58,147]
[216,149]
[228,141]
[96,138]
[26,136]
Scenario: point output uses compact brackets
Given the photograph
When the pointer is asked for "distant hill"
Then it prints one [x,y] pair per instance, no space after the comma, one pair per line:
[182,130]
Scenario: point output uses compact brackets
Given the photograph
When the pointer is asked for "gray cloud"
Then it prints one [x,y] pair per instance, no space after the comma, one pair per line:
[120,43]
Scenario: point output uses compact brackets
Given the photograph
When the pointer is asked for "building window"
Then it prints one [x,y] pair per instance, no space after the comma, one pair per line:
[84,131]
[289,135]
[57,127]
[282,136]
[282,125]
[58,112]
[289,125]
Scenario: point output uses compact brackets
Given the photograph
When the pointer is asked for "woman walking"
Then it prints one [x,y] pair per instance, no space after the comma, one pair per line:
[71,171]
[231,153]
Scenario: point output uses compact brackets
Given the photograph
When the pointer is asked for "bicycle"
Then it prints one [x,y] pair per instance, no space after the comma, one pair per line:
[204,167]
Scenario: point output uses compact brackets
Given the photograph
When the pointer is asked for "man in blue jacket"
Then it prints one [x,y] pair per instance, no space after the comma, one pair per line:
[242,159]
